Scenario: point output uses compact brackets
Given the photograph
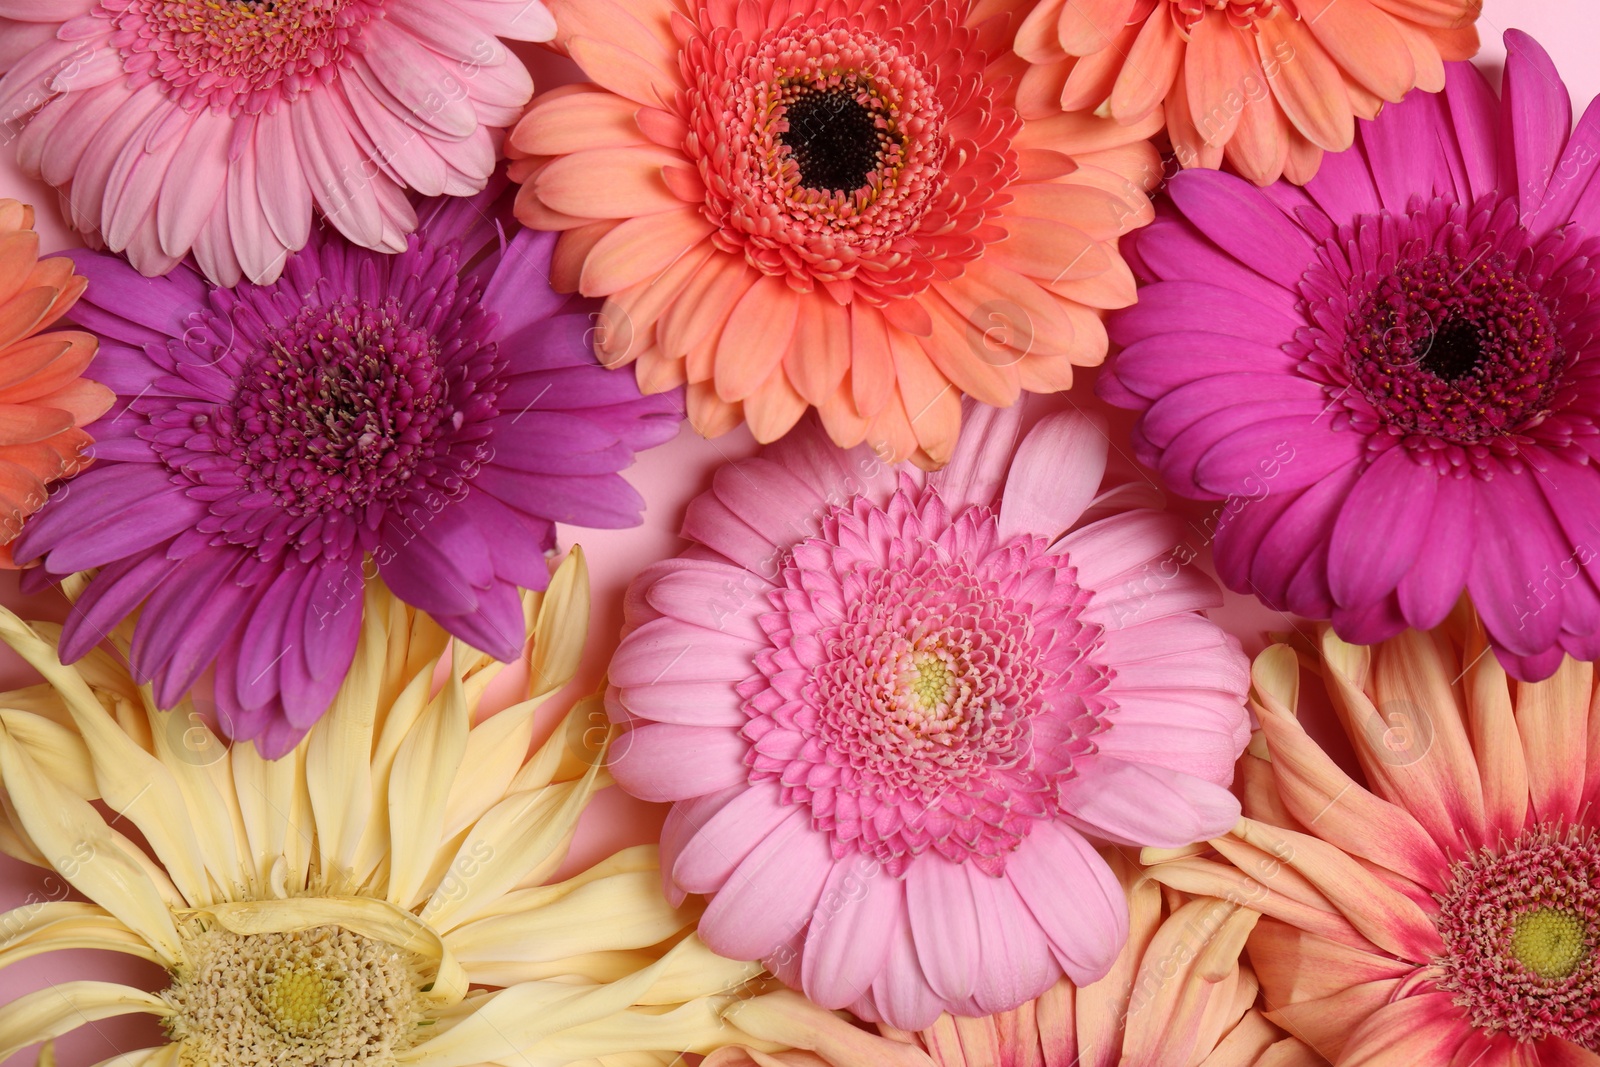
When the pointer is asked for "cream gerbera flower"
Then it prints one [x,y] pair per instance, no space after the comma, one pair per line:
[376,898]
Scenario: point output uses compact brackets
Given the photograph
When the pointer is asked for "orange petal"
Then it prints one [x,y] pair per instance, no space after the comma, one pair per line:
[1305,82]
[82,400]
[1365,41]
[1425,59]
[1091,79]
[1259,146]
[22,423]
[1454,42]
[572,250]
[932,404]
[1096,212]
[609,183]
[871,365]
[1047,251]
[1037,39]
[658,373]
[19,251]
[1327,1023]
[41,365]
[1146,77]
[1443,14]
[819,353]
[24,313]
[959,349]
[1296,966]
[844,424]
[1303,161]
[1427,1028]
[1413,740]
[772,410]
[1219,59]
[1188,146]
[709,414]
[644,29]
[1502,767]
[628,315]
[1088,26]
[641,248]
[708,298]
[574,122]
[624,72]
[755,337]
[1553,720]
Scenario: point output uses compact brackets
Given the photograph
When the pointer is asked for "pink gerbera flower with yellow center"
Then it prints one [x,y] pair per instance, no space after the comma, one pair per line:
[1440,904]
[894,712]
[838,206]
[1268,85]
[178,126]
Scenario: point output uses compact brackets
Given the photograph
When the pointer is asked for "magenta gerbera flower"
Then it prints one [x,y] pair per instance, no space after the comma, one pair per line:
[896,711]
[425,417]
[173,126]
[1394,371]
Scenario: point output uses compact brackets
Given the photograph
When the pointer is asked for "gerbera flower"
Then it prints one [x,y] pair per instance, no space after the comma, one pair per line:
[426,417]
[43,400]
[1445,909]
[833,205]
[381,898]
[890,708]
[173,126]
[1405,355]
[1177,996]
[1267,84]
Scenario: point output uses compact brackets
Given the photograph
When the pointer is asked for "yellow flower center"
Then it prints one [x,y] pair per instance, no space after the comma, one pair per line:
[303,999]
[1548,941]
[931,680]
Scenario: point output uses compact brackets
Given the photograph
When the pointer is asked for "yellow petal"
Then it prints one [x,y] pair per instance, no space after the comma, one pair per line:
[65,1007]
[132,782]
[398,717]
[267,791]
[424,770]
[59,751]
[787,1017]
[86,852]
[561,627]
[57,925]
[204,776]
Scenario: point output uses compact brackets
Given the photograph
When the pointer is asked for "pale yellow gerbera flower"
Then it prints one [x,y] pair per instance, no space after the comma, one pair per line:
[378,897]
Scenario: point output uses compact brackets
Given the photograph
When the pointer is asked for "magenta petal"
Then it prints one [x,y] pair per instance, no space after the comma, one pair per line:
[664,761]
[1573,181]
[944,921]
[1243,223]
[1074,897]
[1517,538]
[772,895]
[1536,115]
[1378,534]
[847,943]
[1404,153]
[1475,120]
[1428,593]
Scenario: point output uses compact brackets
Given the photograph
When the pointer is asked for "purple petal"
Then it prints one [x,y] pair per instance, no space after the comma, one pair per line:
[123,304]
[437,561]
[520,292]
[116,590]
[604,502]
[496,627]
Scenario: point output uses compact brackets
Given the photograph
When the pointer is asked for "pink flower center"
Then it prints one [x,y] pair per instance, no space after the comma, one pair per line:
[846,146]
[1521,927]
[1451,329]
[931,697]
[238,55]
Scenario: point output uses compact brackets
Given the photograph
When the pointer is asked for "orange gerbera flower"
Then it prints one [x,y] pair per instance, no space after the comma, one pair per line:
[1440,906]
[43,401]
[1267,84]
[793,204]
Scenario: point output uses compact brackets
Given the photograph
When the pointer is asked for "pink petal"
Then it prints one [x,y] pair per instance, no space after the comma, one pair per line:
[848,941]
[1140,805]
[665,761]
[1056,472]
[1073,895]
[772,895]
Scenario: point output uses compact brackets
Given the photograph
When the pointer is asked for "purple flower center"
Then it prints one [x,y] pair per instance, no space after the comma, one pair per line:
[1521,927]
[240,56]
[1452,328]
[928,686]
[341,409]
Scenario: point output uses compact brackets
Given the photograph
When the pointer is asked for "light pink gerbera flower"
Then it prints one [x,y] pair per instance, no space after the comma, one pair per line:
[1441,904]
[172,126]
[895,709]
[830,205]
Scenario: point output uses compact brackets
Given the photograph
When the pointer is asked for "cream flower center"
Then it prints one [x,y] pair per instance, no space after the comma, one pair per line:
[311,998]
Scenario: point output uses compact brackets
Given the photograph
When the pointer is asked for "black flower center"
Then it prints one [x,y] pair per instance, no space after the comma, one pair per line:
[833,137]
[1454,350]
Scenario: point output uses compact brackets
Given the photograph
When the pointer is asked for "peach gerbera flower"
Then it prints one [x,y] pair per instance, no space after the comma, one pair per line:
[1177,996]
[1268,85]
[43,399]
[831,205]
[1442,905]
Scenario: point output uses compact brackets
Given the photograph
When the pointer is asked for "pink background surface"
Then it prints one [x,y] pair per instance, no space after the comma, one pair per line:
[669,477]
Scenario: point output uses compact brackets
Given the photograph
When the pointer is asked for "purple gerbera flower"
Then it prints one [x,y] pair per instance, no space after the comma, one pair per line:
[429,415]
[1397,366]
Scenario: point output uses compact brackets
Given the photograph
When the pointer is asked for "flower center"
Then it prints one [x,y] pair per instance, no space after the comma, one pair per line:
[1452,330]
[939,694]
[836,140]
[240,56]
[1549,942]
[1521,928]
[303,999]
[341,409]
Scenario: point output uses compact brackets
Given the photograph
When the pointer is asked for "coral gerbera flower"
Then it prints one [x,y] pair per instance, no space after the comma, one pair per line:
[381,898]
[893,709]
[1267,84]
[1177,996]
[426,417]
[173,126]
[44,401]
[832,205]
[1442,906]
[1410,347]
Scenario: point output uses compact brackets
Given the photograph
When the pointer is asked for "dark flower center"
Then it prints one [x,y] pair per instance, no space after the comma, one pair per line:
[835,140]
[340,409]
[1453,352]
[1521,929]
